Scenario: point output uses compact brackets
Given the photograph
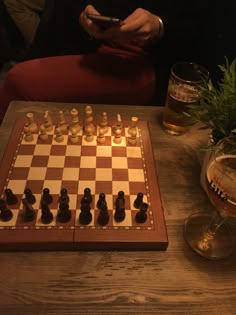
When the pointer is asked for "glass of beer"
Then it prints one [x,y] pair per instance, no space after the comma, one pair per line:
[184,88]
[206,233]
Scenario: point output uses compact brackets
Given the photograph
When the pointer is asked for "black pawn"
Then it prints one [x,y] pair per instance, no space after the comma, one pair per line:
[138,201]
[10,197]
[29,212]
[85,216]
[141,215]
[46,216]
[64,213]
[29,196]
[101,200]
[103,217]
[6,214]
[87,194]
[64,196]
[47,197]
[120,207]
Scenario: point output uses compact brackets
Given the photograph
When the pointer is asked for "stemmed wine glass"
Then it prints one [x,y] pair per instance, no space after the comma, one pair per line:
[209,234]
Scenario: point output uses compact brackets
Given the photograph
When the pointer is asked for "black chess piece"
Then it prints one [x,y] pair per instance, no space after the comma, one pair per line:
[141,215]
[85,216]
[46,216]
[47,197]
[11,198]
[6,214]
[64,213]
[64,196]
[87,194]
[138,201]
[101,200]
[103,217]
[29,196]
[120,207]
[28,211]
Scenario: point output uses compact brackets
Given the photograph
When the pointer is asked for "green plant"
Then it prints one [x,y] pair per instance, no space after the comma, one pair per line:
[217,108]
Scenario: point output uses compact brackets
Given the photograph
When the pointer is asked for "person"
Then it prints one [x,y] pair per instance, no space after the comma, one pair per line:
[124,64]
[26,15]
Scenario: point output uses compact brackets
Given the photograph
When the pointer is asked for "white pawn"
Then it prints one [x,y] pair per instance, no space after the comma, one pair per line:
[43,133]
[133,136]
[89,134]
[101,138]
[74,136]
[32,125]
[28,135]
[58,135]
[117,138]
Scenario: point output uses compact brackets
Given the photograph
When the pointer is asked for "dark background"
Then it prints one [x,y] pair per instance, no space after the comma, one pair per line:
[202,31]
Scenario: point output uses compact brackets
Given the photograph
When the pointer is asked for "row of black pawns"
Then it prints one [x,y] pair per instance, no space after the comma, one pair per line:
[64,213]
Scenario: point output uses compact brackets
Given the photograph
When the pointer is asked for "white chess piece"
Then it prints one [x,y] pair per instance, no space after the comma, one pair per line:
[74,136]
[58,135]
[43,133]
[31,123]
[28,135]
[101,138]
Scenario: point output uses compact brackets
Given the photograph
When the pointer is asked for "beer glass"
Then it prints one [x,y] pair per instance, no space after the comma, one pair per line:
[208,234]
[184,88]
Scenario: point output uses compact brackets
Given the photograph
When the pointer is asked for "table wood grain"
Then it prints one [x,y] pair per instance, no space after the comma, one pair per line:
[177,281]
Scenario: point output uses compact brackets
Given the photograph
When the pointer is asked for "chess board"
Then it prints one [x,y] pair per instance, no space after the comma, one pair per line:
[107,168]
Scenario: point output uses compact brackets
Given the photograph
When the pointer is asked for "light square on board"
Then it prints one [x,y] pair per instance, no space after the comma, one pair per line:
[72,150]
[38,173]
[23,161]
[134,152]
[120,185]
[42,149]
[17,186]
[119,162]
[104,151]
[56,161]
[53,185]
[136,175]
[104,174]
[70,174]
[88,162]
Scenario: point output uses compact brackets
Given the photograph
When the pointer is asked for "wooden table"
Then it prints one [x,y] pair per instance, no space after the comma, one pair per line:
[173,282]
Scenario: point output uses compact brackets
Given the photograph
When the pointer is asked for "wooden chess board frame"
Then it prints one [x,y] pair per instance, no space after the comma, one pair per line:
[73,238]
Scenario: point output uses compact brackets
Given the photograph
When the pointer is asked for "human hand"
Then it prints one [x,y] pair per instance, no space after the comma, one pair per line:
[139,27]
[95,29]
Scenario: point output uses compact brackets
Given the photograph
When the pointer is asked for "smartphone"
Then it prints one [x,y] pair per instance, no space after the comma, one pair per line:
[104,21]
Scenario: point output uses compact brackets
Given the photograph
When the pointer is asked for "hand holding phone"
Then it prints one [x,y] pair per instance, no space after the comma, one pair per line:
[104,21]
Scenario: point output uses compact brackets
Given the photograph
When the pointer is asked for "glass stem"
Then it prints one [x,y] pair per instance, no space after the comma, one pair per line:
[205,241]
[216,222]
